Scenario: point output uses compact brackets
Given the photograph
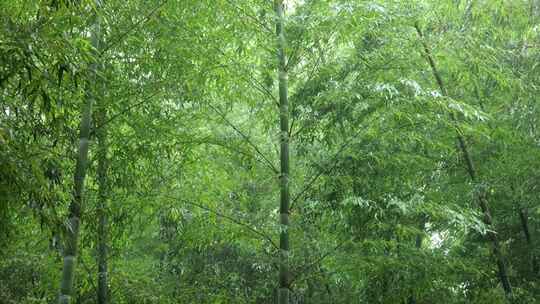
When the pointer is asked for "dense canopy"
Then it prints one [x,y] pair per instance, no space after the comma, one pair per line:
[270,151]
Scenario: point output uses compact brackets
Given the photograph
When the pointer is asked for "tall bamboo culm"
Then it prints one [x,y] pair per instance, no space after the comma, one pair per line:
[481,196]
[102,206]
[284,288]
[74,215]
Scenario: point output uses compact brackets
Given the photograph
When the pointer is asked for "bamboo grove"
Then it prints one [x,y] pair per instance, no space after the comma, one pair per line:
[270,151]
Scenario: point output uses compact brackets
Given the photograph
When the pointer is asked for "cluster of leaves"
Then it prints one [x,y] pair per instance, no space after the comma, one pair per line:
[382,208]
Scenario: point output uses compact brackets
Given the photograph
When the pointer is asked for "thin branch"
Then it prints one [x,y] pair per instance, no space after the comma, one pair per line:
[266,28]
[341,76]
[89,272]
[217,213]
[302,270]
[231,219]
[311,76]
[246,138]
[334,163]
[137,24]
[248,76]
[127,109]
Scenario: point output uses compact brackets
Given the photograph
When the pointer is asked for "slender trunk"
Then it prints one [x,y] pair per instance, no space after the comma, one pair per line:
[481,196]
[326,284]
[420,236]
[284,292]
[411,299]
[534,10]
[418,245]
[310,291]
[467,16]
[102,286]
[74,216]
[524,218]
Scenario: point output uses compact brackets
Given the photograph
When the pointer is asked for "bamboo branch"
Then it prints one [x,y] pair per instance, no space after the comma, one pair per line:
[137,24]
[231,219]
[334,163]
[302,270]
[245,137]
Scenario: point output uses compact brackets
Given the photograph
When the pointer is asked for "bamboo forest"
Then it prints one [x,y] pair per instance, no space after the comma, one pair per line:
[270,151]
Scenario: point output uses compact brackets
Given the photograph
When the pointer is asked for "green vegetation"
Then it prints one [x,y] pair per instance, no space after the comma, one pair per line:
[270,151]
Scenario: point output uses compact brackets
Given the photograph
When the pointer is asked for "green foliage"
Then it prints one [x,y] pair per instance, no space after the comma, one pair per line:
[382,208]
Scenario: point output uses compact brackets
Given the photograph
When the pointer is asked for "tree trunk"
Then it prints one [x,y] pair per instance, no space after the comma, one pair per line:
[74,216]
[534,10]
[103,194]
[310,291]
[481,195]
[467,16]
[284,292]
[418,245]
[524,218]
